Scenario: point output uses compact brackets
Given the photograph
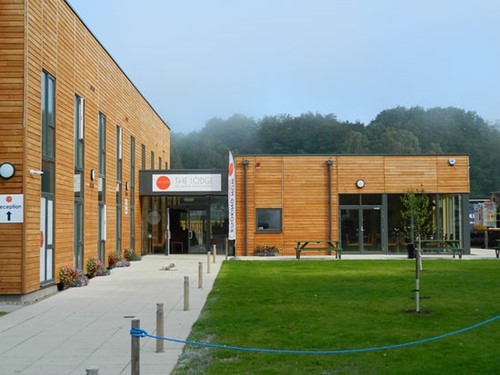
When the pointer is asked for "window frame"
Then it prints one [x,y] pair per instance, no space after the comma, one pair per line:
[274,229]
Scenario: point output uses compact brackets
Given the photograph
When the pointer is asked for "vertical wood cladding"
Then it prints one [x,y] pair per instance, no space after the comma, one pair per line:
[299,186]
[46,35]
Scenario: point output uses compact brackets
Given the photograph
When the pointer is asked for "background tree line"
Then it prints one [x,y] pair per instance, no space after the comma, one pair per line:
[394,131]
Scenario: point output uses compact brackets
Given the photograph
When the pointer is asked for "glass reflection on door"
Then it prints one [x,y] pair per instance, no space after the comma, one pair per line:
[350,229]
[371,229]
[361,229]
[196,227]
[196,231]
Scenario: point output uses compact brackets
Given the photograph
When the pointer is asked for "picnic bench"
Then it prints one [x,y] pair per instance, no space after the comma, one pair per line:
[440,246]
[318,245]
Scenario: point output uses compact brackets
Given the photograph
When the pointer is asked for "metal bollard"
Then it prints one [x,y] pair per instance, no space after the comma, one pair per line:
[208,262]
[159,327]
[92,370]
[200,275]
[135,360]
[186,293]
[214,253]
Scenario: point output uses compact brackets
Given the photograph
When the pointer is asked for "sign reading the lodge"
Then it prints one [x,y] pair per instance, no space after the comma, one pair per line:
[183,182]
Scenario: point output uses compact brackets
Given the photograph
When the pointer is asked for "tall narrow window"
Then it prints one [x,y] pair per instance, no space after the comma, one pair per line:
[132,193]
[143,157]
[78,182]
[152,160]
[101,189]
[160,163]
[118,189]
[48,180]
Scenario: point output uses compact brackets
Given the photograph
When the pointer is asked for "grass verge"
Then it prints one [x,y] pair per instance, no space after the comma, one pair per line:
[336,305]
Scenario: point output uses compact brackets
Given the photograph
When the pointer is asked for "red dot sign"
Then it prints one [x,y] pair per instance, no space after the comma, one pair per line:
[231,169]
[163,182]
[8,199]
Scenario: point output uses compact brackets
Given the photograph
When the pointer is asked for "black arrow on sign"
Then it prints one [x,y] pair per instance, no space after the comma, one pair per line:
[9,214]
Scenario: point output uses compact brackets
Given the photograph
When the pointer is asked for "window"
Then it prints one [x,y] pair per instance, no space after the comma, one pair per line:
[102,144]
[268,219]
[47,212]
[132,193]
[118,189]
[101,196]
[143,157]
[79,116]
[48,116]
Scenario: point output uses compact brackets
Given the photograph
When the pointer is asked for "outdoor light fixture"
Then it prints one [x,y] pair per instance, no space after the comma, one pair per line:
[126,185]
[360,184]
[7,170]
[451,162]
[92,174]
[35,172]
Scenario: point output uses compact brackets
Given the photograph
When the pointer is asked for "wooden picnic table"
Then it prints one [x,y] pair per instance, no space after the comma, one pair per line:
[318,245]
[442,246]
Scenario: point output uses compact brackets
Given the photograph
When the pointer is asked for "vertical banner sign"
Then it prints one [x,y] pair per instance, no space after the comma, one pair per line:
[231,195]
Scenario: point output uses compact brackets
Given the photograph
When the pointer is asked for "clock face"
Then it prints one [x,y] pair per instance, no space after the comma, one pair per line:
[360,184]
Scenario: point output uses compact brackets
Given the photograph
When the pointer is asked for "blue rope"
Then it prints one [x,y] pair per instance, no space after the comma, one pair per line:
[136,332]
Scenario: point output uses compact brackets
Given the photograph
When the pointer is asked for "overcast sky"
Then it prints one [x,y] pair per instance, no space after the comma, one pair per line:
[195,59]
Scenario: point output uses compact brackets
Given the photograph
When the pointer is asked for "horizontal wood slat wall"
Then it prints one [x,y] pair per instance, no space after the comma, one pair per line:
[299,186]
[49,36]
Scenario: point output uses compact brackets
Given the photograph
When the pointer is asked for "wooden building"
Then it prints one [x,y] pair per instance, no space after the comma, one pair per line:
[75,133]
[354,200]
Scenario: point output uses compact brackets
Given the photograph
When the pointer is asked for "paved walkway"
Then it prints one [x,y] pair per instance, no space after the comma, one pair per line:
[86,327]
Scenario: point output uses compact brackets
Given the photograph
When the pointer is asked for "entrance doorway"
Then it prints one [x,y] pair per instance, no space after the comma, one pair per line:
[361,229]
[188,231]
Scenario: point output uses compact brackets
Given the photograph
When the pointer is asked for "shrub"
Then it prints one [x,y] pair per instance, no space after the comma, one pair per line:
[94,265]
[113,259]
[116,260]
[68,276]
[266,250]
[71,277]
[130,255]
[81,279]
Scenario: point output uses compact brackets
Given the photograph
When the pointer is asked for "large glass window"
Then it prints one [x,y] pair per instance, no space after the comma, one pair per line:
[118,189]
[79,123]
[132,193]
[48,180]
[101,188]
[268,219]
[48,115]
[78,183]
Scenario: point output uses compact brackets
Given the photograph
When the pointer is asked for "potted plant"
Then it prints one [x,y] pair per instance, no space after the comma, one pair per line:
[266,250]
[71,277]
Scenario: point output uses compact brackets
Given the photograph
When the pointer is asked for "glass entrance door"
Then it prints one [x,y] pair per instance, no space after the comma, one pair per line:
[360,229]
[197,233]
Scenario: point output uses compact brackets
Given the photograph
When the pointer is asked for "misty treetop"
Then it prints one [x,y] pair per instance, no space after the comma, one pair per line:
[400,130]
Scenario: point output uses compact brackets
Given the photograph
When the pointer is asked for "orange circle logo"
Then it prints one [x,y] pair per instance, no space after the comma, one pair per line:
[231,169]
[163,183]
[8,199]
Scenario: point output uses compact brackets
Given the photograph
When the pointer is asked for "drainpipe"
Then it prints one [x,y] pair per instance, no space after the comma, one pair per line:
[329,163]
[245,181]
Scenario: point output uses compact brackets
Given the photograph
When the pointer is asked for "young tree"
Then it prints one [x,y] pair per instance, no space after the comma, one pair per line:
[416,209]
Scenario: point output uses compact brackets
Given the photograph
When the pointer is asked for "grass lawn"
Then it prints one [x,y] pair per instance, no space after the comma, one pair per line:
[337,305]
